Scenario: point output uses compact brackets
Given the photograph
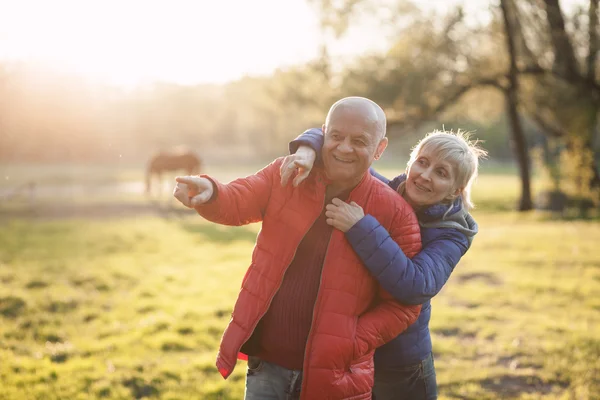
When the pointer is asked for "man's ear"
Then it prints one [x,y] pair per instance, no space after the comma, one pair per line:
[381,147]
[323,128]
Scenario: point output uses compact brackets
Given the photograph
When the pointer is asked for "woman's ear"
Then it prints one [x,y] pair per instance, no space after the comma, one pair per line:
[452,196]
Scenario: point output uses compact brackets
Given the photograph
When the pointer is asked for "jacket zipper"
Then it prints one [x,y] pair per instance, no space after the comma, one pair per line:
[315,312]
[279,286]
[315,309]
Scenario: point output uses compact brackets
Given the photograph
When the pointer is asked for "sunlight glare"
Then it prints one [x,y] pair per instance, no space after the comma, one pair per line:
[129,42]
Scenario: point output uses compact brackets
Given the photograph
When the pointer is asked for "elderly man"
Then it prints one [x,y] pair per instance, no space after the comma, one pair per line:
[309,315]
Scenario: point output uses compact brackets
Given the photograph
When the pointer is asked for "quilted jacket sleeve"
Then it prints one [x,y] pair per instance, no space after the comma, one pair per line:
[410,281]
[242,201]
[389,318]
[311,137]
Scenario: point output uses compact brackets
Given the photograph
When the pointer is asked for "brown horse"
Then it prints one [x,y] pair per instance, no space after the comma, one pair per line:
[172,160]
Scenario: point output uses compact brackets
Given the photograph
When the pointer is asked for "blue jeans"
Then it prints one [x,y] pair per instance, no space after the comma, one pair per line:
[415,382]
[267,381]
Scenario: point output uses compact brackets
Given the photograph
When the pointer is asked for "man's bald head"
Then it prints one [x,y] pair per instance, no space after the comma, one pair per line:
[354,136]
[370,111]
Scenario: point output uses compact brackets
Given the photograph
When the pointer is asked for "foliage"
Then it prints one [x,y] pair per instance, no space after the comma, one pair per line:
[566,177]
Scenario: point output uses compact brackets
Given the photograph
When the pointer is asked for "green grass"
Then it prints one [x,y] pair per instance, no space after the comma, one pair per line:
[520,317]
[135,307]
[119,309]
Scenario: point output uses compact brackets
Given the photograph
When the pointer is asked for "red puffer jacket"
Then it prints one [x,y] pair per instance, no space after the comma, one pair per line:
[352,315]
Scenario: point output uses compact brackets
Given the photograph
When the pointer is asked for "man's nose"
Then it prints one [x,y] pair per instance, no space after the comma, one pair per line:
[345,147]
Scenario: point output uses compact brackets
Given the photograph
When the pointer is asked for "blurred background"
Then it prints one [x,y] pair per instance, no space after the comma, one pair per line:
[111,83]
[110,290]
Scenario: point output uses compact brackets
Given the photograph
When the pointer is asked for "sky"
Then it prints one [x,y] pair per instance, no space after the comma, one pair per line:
[130,42]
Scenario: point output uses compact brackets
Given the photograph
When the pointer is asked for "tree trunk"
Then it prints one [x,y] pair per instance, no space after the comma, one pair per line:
[519,146]
[565,63]
[519,143]
[591,77]
[592,40]
[589,143]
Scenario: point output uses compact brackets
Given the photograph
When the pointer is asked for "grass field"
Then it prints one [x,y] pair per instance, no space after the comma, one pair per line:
[133,306]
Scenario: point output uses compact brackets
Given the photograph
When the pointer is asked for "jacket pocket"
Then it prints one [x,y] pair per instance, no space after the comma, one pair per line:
[362,373]
[355,351]
[365,361]
[360,348]
[360,354]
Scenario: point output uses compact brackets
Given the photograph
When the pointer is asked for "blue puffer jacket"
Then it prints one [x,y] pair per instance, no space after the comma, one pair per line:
[446,231]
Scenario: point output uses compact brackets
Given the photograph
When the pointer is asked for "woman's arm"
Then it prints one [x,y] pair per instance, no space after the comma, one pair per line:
[410,281]
[312,138]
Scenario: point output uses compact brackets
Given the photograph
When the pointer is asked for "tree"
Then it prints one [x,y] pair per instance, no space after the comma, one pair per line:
[564,91]
[436,68]
[431,66]
[512,106]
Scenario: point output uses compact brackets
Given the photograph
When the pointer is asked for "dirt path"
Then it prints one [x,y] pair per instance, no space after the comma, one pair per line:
[93,211]
[65,201]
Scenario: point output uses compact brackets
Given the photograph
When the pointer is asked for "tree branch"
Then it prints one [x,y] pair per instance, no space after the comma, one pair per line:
[424,114]
[550,128]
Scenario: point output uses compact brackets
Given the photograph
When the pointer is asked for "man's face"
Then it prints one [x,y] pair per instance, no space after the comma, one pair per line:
[350,146]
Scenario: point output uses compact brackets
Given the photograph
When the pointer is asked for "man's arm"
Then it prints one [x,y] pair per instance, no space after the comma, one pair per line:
[389,318]
[383,323]
[242,201]
[409,281]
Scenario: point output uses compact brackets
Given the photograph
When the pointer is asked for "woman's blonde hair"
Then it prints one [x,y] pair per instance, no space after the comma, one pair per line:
[458,149]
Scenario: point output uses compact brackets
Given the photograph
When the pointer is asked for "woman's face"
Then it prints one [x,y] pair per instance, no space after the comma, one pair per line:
[430,181]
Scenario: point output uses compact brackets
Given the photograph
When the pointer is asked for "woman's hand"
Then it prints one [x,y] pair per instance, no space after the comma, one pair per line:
[342,215]
[301,161]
